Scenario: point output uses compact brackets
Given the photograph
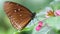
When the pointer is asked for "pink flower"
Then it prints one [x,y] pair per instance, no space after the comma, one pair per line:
[38,28]
[40,24]
[57,12]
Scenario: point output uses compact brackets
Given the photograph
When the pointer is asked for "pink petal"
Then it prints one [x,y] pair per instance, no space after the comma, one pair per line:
[40,23]
[57,12]
[38,28]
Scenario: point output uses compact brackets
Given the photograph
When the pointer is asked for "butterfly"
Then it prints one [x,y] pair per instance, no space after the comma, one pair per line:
[18,14]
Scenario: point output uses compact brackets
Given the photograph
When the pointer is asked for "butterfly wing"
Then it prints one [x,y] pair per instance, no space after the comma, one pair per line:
[18,14]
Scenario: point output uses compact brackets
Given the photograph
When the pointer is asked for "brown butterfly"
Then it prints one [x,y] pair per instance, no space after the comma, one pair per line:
[19,15]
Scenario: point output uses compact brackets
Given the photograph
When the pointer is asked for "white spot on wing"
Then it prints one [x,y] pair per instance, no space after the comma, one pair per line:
[20,15]
[15,11]
[18,9]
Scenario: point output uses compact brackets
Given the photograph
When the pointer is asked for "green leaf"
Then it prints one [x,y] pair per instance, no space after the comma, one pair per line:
[25,31]
[53,22]
[55,5]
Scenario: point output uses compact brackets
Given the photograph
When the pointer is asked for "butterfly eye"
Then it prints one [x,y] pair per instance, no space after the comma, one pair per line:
[18,15]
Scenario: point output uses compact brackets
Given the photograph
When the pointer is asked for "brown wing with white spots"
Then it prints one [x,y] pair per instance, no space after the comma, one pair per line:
[18,14]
